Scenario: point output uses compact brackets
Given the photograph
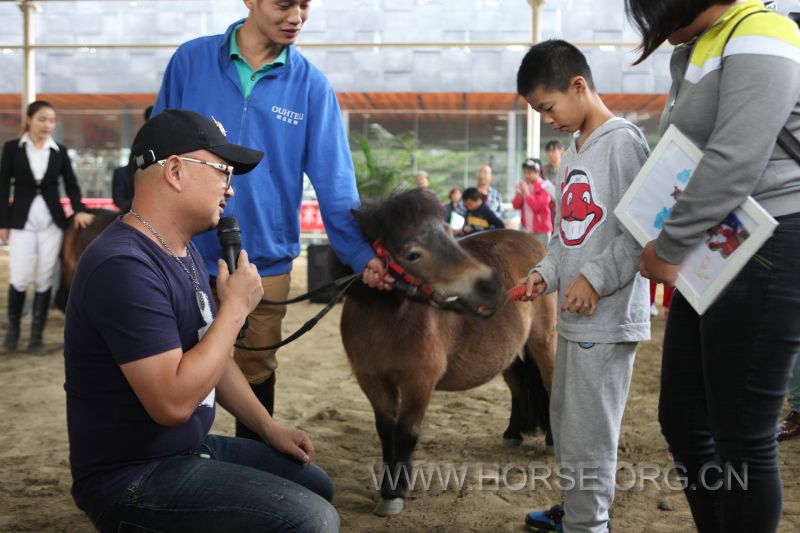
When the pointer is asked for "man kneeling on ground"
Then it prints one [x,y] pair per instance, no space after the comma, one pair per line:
[147,356]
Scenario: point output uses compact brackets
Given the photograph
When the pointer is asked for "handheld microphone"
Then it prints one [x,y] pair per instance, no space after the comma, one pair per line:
[230,240]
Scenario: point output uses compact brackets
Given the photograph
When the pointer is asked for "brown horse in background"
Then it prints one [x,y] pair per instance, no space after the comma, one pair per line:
[74,243]
[401,348]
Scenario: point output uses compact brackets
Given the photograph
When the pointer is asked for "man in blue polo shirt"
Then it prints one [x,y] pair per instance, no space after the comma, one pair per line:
[270,97]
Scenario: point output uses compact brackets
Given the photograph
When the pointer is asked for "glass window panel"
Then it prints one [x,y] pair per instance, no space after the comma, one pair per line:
[11,28]
[174,21]
[452,142]
[11,69]
[99,140]
[419,21]
[91,70]
[10,111]
[141,21]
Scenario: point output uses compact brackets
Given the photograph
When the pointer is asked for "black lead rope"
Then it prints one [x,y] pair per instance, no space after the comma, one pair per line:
[344,282]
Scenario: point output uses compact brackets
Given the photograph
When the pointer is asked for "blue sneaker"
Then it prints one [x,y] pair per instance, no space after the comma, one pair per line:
[546,521]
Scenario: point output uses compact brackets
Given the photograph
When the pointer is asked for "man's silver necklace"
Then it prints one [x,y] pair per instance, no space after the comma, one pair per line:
[198,291]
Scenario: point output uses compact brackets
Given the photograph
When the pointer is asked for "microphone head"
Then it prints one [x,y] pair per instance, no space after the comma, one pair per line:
[228,231]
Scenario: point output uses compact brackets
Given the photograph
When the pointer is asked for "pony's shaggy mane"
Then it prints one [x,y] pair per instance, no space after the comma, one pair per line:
[385,219]
[388,219]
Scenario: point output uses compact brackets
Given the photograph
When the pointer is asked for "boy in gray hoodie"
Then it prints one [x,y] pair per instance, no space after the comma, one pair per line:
[594,265]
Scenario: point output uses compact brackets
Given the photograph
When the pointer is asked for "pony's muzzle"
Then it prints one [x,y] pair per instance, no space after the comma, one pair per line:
[486,296]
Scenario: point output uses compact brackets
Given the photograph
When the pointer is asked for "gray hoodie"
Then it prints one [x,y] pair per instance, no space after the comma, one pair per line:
[591,241]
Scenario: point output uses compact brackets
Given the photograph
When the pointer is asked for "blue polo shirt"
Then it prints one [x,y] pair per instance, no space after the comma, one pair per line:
[247,77]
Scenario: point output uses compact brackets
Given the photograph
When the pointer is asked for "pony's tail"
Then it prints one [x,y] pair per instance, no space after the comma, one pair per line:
[536,404]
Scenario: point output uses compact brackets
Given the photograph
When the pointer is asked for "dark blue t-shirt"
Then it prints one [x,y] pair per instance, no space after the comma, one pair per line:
[129,300]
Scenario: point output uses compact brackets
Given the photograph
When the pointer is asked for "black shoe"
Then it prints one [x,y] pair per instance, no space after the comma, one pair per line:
[548,521]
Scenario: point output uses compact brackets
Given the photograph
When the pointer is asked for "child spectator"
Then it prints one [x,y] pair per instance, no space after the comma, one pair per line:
[479,216]
[535,198]
[594,265]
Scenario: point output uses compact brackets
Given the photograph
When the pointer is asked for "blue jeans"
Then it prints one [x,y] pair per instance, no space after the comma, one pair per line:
[228,485]
[793,394]
[723,379]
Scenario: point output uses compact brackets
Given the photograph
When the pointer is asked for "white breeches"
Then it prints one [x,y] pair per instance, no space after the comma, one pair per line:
[33,252]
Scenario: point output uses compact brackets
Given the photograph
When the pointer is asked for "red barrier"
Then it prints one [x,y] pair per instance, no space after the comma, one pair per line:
[91,203]
[310,217]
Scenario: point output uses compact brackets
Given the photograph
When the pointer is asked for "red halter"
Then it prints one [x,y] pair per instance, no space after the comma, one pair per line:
[413,284]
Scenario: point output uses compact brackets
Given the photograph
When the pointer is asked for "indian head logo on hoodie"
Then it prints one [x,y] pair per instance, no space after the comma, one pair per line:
[580,211]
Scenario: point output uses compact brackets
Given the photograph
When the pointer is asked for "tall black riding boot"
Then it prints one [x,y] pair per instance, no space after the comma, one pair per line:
[265,392]
[41,304]
[16,300]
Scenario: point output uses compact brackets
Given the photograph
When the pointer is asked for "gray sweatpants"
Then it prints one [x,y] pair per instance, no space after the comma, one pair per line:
[590,389]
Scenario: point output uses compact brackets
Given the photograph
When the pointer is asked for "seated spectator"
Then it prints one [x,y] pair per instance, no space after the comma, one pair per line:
[479,217]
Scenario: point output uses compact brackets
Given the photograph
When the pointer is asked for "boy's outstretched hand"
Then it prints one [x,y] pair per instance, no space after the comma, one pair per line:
[580,297]
[534,286]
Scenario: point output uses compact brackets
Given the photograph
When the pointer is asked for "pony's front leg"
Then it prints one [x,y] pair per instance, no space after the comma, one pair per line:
[416,395]
[383,396]
[391,474]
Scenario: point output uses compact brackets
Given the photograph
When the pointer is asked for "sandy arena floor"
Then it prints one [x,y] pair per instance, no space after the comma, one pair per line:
[317,392]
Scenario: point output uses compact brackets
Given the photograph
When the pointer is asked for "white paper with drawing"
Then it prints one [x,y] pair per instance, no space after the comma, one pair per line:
[714,261]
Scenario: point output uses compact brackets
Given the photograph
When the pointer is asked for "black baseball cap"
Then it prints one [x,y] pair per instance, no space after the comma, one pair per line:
[178,131]
[533,163]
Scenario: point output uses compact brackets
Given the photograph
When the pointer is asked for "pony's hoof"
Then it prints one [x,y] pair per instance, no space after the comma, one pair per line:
[512,442]
[389,507]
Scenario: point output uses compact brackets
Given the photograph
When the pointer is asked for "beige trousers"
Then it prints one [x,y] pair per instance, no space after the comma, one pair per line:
[264,328]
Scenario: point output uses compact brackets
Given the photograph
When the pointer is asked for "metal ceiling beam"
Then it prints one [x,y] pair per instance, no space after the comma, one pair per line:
[29,9]
[410,44]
